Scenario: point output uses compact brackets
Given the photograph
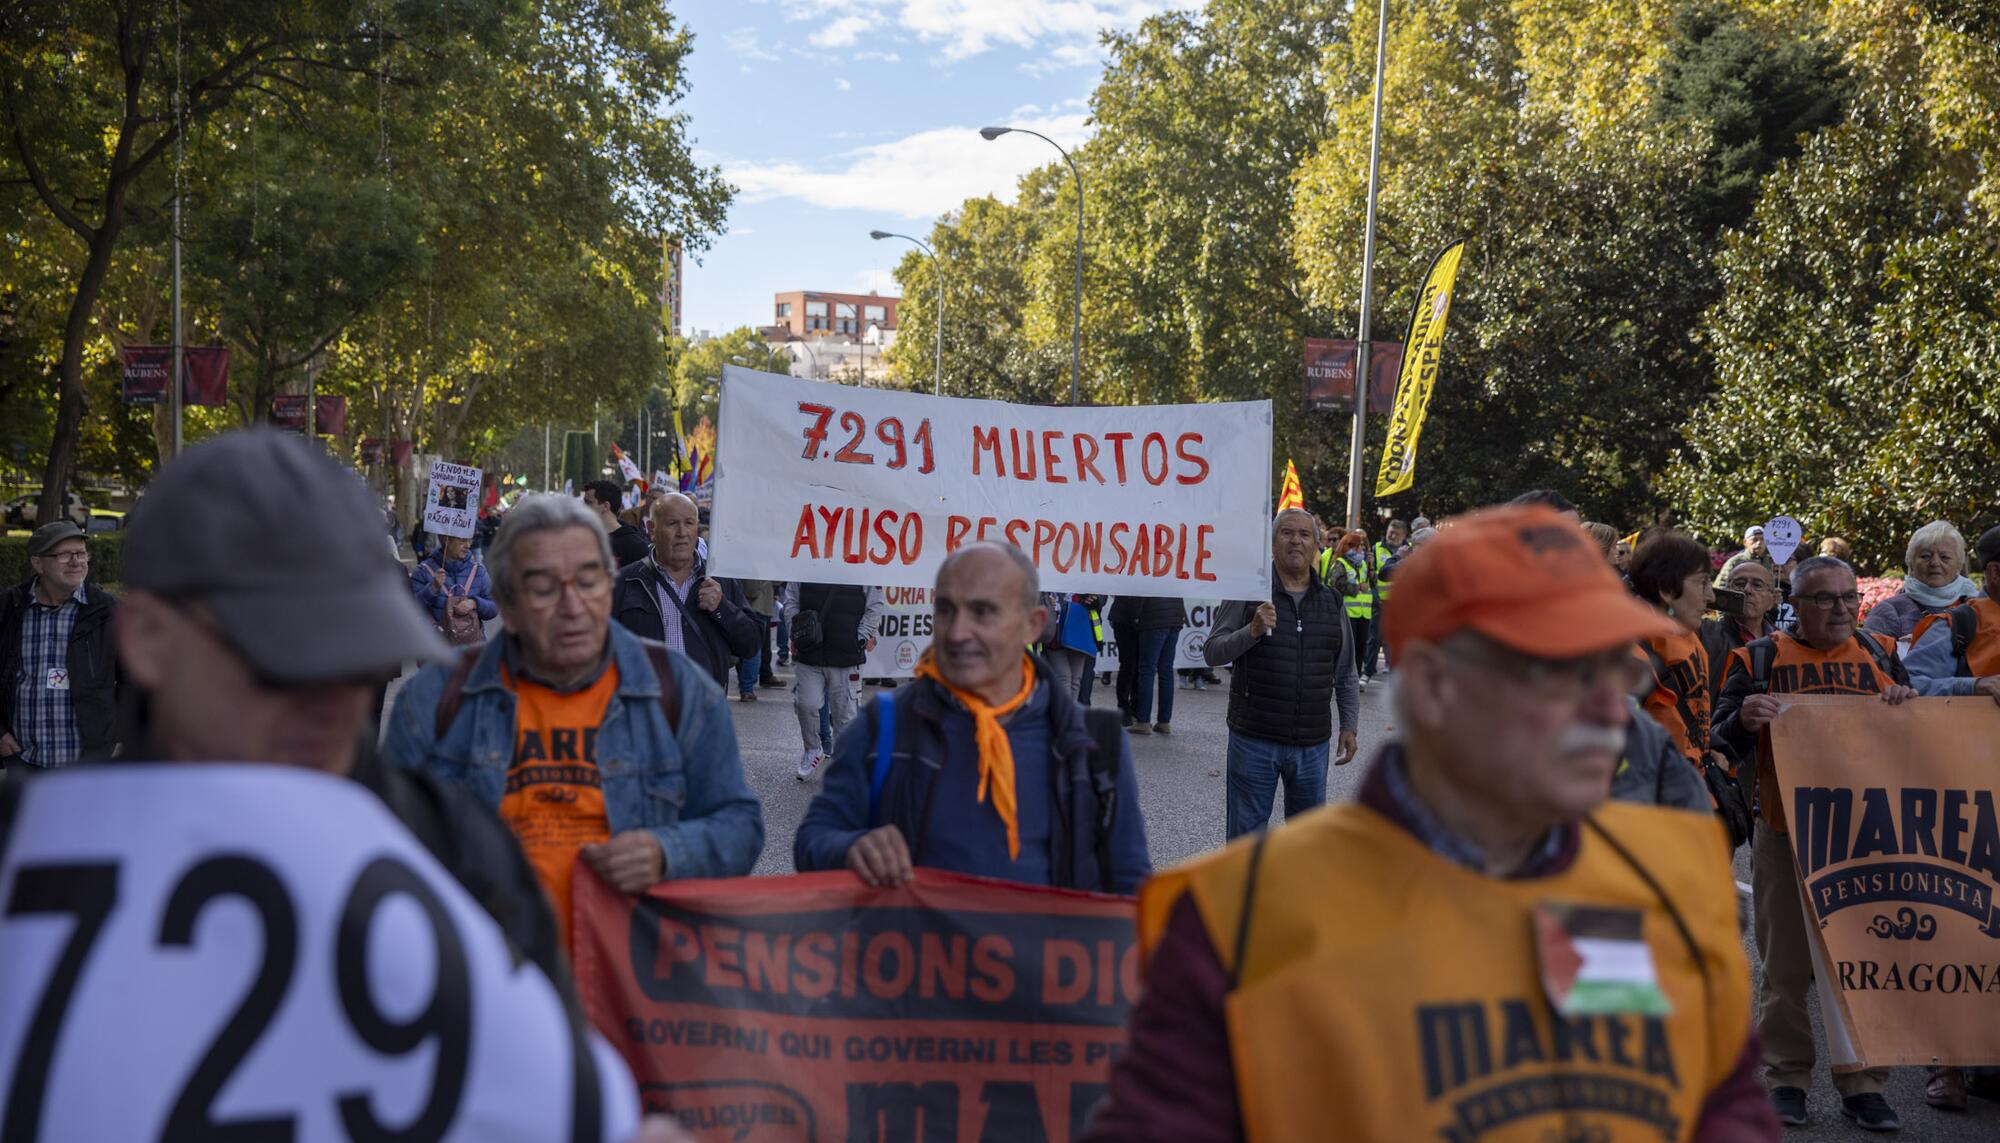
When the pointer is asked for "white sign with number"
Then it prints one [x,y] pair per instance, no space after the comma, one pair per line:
[1781,538]
[451,506]
[200,952]
[821,483]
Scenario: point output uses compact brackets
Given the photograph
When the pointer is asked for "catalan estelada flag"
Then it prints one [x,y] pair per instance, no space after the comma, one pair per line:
[1291,495]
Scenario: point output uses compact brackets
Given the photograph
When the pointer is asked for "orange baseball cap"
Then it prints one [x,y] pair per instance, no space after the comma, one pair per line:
[1525,577]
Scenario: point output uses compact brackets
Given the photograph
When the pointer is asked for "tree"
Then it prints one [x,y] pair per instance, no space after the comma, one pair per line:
[697,381]
[97,95]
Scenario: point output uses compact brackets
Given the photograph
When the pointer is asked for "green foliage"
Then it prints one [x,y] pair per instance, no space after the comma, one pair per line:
[698,368]
[104,551]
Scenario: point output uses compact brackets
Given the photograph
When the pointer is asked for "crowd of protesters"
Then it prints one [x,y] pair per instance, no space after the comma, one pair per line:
[1542,667]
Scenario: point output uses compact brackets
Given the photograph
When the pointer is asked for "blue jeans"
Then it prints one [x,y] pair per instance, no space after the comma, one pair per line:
[1255,767]
[1156,672]
[747,671]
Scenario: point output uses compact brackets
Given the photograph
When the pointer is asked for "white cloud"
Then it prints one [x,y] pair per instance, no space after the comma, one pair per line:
[1067,28]
[843,85]
[918,176]
[746,44]
[842,32]
[878,57]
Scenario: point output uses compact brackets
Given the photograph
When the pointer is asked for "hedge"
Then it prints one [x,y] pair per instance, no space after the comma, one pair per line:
[104,569]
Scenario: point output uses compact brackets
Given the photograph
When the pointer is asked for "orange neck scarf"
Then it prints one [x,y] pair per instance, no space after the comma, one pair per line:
[996,754]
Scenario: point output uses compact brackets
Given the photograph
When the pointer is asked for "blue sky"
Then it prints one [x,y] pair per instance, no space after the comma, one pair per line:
[837,117]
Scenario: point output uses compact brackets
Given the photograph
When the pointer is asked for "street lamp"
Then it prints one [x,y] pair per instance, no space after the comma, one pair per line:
[1076,328]
[806,344]
[937,369]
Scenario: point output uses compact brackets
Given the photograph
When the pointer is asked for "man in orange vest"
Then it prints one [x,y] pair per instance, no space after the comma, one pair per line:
[1829,655]
[1481,946]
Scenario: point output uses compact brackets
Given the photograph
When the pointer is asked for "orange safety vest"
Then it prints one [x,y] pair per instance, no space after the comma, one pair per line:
[1383,992]
[1798,669]
[1975,636]
[1679,700]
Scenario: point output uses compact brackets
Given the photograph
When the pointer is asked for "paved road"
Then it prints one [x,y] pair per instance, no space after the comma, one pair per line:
[1181,788]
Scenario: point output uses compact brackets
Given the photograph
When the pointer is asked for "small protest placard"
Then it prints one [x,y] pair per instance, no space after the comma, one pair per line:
[453,500]
[1781,538]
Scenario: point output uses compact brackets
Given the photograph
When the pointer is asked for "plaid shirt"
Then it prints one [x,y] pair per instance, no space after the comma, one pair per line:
[1549,857]
[44,717]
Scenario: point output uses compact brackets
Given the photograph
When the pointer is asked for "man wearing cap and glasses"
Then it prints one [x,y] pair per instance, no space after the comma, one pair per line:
[1480,943]
[58,674]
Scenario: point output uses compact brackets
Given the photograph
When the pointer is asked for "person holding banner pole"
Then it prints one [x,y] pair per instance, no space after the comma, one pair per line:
[984,764]
[1481,945]
[1829,655]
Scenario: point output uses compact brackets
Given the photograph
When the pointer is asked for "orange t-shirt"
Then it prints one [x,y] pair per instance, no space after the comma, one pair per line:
[554,800]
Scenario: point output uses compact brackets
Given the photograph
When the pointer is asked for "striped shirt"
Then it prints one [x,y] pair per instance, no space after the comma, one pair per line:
[44,716]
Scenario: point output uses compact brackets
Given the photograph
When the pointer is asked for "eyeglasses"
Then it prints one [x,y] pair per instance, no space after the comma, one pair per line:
[82,557]
[1827,600]
[542,590]
[1557,680]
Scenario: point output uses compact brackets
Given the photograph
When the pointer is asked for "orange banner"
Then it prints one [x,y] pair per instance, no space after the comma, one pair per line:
[812,1007]
[1898,849]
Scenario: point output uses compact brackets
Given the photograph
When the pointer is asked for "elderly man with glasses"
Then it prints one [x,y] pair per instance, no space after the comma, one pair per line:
[60,674]
[1829,655]
[587,740]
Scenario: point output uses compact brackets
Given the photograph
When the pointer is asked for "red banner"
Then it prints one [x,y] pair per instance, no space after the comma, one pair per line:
[813,1007]
[148,374]
[372,451]
[1330,375]
[288,412]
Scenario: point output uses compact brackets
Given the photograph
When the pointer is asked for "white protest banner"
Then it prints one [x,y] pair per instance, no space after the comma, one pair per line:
[1192,640]
[825,483]
[903,635]
[206,952]
[1781,538]
[452,502]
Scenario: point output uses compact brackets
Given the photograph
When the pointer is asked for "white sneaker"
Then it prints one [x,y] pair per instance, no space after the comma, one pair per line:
[809,764]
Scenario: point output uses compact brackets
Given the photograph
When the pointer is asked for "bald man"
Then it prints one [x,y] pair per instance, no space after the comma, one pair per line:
[668,596]
[1053,801]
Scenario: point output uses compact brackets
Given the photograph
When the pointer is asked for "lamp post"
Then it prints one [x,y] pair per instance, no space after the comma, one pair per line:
[1076,327]
[937,367]
[1361,368]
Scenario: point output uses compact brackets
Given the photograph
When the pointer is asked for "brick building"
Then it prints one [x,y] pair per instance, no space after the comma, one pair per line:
[817,313]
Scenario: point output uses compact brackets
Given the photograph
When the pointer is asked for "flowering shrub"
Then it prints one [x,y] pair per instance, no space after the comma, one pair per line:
[1876,589]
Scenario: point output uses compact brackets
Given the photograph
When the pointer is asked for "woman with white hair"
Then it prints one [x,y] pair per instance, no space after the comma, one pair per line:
[1935,560]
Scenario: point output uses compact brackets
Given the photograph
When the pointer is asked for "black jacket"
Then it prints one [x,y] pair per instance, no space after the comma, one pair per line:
[93,664]
[714,639]
[840,609]
[1285,683]
[629,545]
[1153,612]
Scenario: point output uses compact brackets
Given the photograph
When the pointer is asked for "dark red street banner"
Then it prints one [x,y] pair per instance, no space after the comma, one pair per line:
[813,1008]
[1330,375]
[148,374]
[288,412]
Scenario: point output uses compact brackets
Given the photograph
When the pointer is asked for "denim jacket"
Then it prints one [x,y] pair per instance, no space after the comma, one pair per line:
[685,786]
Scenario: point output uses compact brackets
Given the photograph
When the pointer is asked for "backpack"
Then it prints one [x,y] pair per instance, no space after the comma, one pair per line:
[461,630]
[1106,731]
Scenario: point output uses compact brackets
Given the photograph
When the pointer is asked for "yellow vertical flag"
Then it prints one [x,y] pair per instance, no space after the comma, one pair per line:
[677,463]
[1291,495]
[1421,348]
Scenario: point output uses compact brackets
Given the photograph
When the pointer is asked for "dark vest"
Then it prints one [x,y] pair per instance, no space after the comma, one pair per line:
[1282,689]
[840,610]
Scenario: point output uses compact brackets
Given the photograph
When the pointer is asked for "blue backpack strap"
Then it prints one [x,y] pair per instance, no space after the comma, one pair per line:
[885,741]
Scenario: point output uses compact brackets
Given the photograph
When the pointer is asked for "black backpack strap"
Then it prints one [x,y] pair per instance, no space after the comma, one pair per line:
[1249,904]
[454,690]
[670,693]
[1888,666]
[1107,736]
[1763,653]
[1964,629]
